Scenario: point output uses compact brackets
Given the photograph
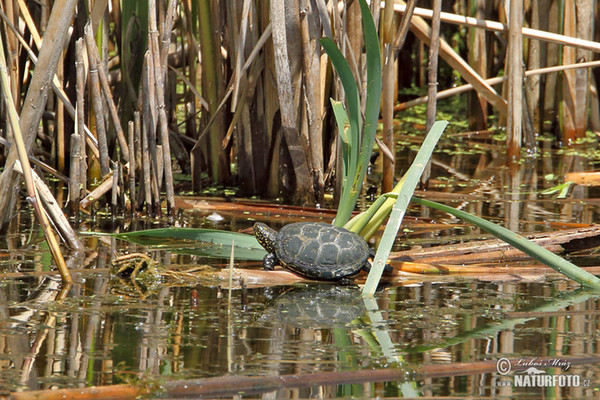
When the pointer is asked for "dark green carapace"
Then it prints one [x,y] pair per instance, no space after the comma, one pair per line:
[314,249]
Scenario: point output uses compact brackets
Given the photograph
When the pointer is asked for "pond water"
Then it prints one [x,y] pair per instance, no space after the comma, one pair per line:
[437,336]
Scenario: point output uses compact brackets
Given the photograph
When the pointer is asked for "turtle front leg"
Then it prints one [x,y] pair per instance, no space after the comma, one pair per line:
[269,261]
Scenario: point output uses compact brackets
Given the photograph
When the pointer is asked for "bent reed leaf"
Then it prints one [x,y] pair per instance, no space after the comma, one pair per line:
[530,248]
[211,242]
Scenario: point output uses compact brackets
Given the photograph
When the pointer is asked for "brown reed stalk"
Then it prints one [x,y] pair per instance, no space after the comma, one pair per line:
[96,64]
[157,70]
[296,143]
[12,16]
[33,197]
[54,210]
[149,131]
[494,81]
[132,161]
[388,95]
[514,68]
[142,149]
[404,26]
[37,94]
[98,192]
[80,117]
[59,121]
[74,175]
[115,188]
[432,78]
[311,63]
[97,103]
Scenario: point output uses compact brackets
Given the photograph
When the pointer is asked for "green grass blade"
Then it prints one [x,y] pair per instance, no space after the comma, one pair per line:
[343,123]
[346,204]
[204,242]
[404,189]
[360,145]
[535,251]
[373,101]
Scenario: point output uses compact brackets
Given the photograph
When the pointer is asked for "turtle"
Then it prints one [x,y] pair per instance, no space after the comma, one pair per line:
[314,249]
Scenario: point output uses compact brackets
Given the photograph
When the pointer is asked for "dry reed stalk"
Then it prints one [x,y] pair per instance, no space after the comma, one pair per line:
[387,112]
[433,65]
[97,104]
[534,61]
[240,44]
[145,162]
[79,176]
[37,94]
[167,28]
[149,132]
[59,121]
[98,192]
[157,70]
[578,22]
[58,91]
[297,148]
[404,26]
[549,37]
[30,24]
[96,65]
[432,80]
[55,212]
[313,101]
[132,160]
[33,196]
[216,158]
[249,62]
[494,81]
[479,55]
[115,188]
[388,94]
[514,68]
[74,175]
[422,31]
[12,46]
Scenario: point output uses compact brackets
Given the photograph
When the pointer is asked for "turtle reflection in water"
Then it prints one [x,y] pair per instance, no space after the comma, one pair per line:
[316,306]
[314,249]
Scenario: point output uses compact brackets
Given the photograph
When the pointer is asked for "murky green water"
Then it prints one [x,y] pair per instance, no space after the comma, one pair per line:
[102,334]
[450,336]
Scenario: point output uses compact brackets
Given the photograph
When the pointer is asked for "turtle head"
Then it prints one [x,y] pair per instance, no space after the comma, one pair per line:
[266,237]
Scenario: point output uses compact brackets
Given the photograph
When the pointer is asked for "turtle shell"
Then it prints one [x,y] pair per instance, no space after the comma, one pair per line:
[321,251]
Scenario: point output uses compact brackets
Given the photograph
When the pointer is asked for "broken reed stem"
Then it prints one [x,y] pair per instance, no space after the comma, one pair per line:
[166,35]
[100,191]
[98,106]
[56,214]
[24,159]
[115,188]
[494,81]
[150,132]
[78,172]
[387,108]
[145,162]
[132,161]
[404,26]
[74,175]
[157,69]
[96,64]
[58,91]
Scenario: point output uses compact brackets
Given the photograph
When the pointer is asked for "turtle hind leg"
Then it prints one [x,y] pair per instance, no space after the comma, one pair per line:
[269,262]
[388,269]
